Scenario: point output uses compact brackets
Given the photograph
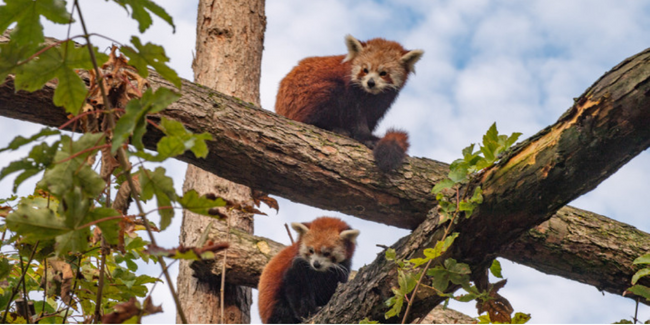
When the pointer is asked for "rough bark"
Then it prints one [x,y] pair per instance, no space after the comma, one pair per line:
[606,127]
[575,244]
[584,247]
[229,45]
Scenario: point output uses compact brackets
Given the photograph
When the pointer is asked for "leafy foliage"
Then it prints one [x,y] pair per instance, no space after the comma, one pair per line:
[451,271]
[639,289]
[70,241]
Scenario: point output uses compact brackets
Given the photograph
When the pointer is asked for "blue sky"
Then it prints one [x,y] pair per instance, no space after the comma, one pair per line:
[517,63]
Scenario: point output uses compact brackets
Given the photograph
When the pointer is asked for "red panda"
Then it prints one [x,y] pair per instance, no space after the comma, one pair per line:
[350,94]
[303,277]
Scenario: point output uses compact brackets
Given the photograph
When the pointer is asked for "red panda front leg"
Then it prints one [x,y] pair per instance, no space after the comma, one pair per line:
[299,291]
[361,132]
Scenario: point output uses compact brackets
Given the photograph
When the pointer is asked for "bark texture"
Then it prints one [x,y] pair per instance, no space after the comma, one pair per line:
[575,244]
[229,45]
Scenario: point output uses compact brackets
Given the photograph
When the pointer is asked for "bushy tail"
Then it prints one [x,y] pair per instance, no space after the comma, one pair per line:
[391,150]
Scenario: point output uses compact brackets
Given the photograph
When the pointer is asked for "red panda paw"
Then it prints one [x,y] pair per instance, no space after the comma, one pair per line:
[390,151]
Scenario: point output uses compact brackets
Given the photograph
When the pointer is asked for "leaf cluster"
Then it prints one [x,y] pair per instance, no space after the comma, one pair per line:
[67,237]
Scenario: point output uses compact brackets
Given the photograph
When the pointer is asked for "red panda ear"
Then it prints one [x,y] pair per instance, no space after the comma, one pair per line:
[350,235]
[300,228]
[354,47]
[410,58]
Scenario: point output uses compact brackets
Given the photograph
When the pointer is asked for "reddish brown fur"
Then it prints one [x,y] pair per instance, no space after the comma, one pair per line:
[348,94]
[399,137]
[323,231]
[271,280]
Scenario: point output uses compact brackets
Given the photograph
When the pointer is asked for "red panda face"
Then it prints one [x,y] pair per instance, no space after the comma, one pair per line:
[325,243]
[377,77]
[379,65]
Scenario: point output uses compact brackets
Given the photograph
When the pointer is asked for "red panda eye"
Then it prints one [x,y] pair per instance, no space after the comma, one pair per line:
[365,70]
[383,73]
[311,250]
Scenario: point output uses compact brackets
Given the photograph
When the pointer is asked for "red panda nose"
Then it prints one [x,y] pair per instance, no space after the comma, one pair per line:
[316,264]
[371,83]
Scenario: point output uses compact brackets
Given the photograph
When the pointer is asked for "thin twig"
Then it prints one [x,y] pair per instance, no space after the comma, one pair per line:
[222,291]
[17,287]
[45,286]
[415,290]
[25,297]
[289,233]
[77,154]
[100,221]
[100,284]
[74,286]
[123,160]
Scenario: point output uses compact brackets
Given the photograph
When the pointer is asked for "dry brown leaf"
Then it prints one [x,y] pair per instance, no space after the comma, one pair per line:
[5,210]
[149,308]
[498,307]
[259,197]
[122,312]
[109,164]
[59,278]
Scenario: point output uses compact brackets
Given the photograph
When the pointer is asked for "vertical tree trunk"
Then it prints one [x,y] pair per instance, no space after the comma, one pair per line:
[229,45]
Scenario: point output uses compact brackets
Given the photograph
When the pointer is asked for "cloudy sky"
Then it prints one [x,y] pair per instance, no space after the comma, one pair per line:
[517,63]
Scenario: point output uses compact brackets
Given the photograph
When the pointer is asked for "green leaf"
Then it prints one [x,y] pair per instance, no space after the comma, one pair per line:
[73,242]
[20,141]
[443,184]
[640,290]
[495,269]
[396,303]
[35,223]
[134,120]
[520,318]
[441,247]
[5,267]
[199,204]
[511,140]
[484,319]
[140,12]
[60,62]
[180,140]
[110,228]
[458,171]
[368,321]
[639,274]
[158,184]
[477,197]
[440,278]
[11,54]
[150,55]
[74,171]
[40,157]
[644,259]
[406,281]
[391,254]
